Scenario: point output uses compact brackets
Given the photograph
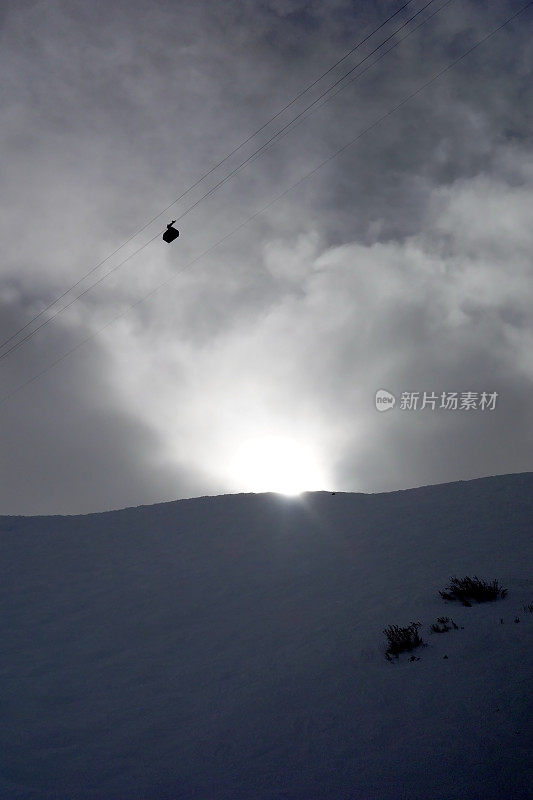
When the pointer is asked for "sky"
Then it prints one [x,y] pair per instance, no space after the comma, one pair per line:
[403,264]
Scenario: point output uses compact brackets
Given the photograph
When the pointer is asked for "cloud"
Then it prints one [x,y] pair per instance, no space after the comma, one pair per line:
[402,264]
[430,313]
[68,446]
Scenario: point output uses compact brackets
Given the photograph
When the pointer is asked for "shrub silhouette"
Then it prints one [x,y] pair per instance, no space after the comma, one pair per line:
[441,625]
[467,589]
[402,639]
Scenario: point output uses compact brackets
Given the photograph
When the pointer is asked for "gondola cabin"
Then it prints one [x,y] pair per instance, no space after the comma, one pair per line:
[171,233]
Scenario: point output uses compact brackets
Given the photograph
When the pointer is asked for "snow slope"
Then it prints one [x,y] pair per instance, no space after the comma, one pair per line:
[228,648]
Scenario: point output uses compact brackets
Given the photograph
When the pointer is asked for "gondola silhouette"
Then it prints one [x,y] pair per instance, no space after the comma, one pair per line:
[171,233]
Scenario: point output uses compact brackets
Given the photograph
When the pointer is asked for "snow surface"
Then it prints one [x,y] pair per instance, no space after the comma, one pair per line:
[232,647]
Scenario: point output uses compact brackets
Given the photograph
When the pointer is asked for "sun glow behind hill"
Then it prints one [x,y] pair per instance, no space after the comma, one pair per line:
[277,464]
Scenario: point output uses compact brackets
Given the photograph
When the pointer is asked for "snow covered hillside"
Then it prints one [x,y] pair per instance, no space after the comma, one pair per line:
[232,648]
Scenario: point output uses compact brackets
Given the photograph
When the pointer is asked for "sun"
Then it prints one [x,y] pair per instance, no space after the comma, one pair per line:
[277,464]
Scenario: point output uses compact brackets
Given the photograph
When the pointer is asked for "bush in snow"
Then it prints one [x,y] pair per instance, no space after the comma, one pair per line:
[467,589]
[441,625]
[402,639]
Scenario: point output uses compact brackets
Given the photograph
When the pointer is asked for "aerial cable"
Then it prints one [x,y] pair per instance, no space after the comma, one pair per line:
[254,155]
[278,135]
[272,202]
[209,172]
[32,333]
[359,74]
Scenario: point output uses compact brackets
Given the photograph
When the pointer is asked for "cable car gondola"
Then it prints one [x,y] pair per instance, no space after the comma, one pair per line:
[171,233]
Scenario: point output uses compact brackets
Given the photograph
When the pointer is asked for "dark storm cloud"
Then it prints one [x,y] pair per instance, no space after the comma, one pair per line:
[403,264]
[68,445]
